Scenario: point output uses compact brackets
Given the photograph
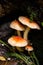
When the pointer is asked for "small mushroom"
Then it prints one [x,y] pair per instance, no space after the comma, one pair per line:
[32,55]
[17,26]
[29,48]
[26,21]
[18,42]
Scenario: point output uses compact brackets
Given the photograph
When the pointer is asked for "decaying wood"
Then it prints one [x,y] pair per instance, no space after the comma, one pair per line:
[6,6]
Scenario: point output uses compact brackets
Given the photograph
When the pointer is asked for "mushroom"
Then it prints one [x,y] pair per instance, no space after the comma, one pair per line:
[29,48]
[17,26]
[32,55]
[26,21]
[17,41]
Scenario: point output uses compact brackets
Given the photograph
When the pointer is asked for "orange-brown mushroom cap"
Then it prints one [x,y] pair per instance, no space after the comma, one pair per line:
[16,25]
[34,25]
[29,48]
[26,21]
[17,41]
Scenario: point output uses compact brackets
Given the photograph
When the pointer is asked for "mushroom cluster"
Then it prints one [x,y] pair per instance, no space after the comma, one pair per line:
[23,24]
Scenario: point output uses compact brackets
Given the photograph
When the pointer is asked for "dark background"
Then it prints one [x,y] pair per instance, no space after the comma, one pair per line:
[12,9]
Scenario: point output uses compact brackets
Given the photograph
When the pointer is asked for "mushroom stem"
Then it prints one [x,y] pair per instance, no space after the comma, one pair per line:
[18,32]
[26,33]
[19,49]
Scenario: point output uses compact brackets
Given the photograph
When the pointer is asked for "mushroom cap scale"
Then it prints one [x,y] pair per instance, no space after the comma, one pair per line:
[29,48]
[16,25]
[17,41]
